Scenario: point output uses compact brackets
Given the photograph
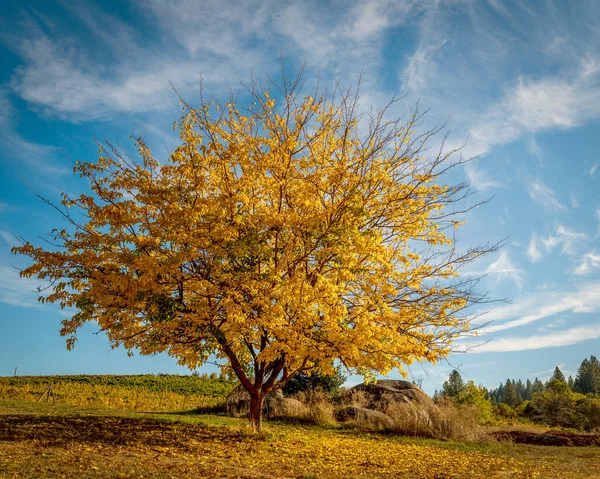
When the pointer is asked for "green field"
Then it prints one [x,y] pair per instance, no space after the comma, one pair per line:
[148,392]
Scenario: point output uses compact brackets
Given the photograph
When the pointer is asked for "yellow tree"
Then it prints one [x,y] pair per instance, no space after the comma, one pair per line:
[280,238]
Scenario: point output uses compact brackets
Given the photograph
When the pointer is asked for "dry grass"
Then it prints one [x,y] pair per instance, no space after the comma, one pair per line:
[318,408]
[459,424]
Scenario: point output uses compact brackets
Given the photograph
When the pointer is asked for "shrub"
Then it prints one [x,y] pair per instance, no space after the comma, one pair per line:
[476,397]
[303,382]
[505,411]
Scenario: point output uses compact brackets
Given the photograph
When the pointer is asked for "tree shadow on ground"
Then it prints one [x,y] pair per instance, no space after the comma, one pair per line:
[63,430]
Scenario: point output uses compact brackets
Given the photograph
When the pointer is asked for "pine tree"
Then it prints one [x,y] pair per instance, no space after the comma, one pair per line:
[571,383]
[528,390]
[558,376]
[595,374]
[588,377]
[454,386]
[511,395]
[520,388]
[538,386]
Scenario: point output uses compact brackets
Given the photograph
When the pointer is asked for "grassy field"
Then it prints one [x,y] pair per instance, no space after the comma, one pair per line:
[147,391]
[45,440]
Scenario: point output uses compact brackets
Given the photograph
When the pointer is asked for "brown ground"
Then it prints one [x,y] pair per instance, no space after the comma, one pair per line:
[549,438]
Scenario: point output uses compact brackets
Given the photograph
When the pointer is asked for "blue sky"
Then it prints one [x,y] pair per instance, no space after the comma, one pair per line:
[519,79]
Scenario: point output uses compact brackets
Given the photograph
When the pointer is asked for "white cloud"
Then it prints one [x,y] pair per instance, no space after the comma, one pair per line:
[369,19]
[533,250]
[570,241]
[561,102]
[547,371]
[545,304]
[223,41]
[574,199]
[589,262]
[545,196]
[8,238]
[18,291]
[500,270]
[536,150]
[480,179]
[41,158]
[593,169]
[566,337]
[449,72]
[504,269]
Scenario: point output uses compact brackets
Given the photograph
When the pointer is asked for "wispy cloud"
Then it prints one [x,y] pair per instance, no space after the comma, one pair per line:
[17,291]
[480,179]
[502,269]
[478,87]
[569,240]
[566,337]
[16,147]
[574,199]
[544,304]
[593,169]
[63,76]
[534,105]
[545,196]
[536,150]
[533,250]
[547,371]
[588,263]
[9,238]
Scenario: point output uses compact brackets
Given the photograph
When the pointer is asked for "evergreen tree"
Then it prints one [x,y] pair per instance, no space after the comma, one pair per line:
[520,388]
[538,386]
[454,386]
[511,395]
[500,393]
[583,380]
[588,377]
[305,382]
[571,383]
[557,376]
[595,367]
[528,390]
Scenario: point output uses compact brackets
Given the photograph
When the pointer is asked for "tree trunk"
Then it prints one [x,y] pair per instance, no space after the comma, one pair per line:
[256,409]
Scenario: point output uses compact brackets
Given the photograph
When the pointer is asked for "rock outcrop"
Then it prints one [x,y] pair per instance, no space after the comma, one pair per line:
[395,397]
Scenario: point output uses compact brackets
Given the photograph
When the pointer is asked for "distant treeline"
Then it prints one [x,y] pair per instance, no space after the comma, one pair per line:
[513,393]
[560,402]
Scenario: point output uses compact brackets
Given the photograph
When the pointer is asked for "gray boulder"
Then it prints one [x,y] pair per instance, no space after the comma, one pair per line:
[387,395]
[391,390]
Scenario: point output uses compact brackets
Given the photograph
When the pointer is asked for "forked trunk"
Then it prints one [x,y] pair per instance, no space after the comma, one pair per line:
[256,408]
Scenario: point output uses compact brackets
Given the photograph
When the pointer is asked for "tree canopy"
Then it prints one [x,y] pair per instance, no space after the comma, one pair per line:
[278,236]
